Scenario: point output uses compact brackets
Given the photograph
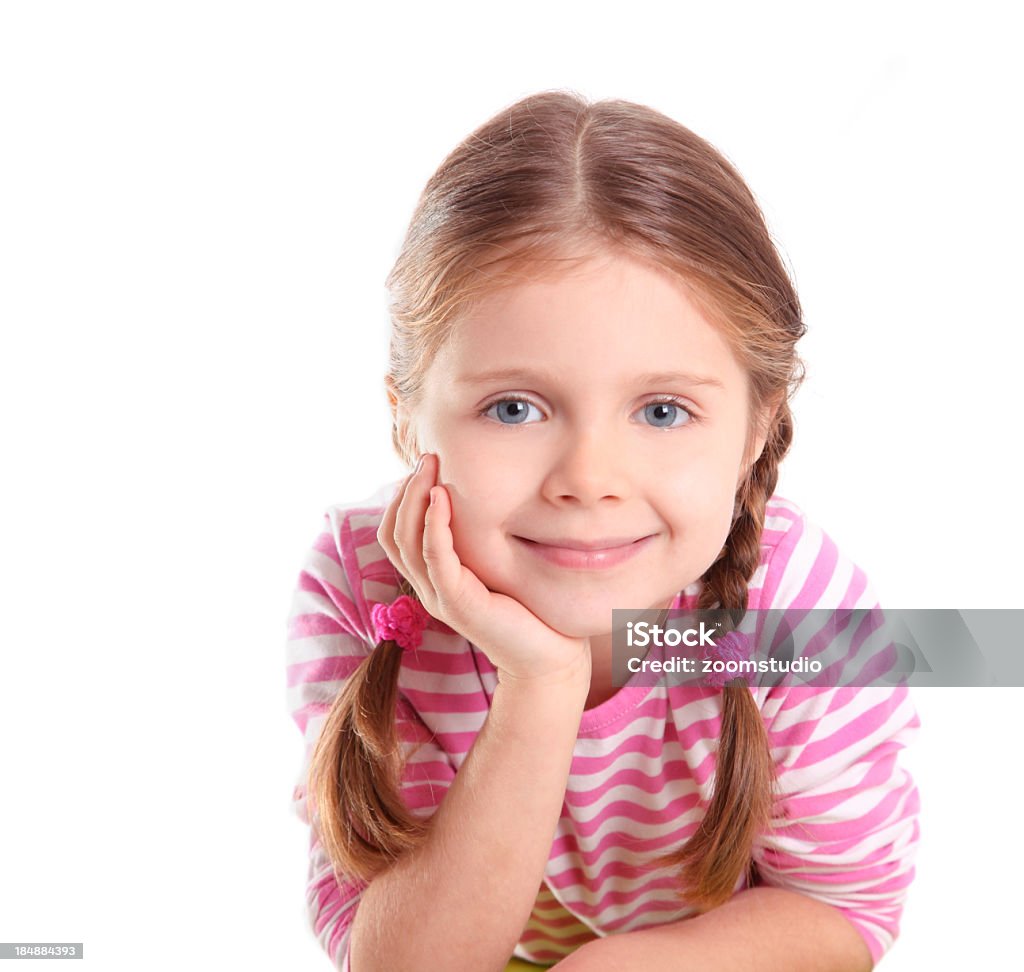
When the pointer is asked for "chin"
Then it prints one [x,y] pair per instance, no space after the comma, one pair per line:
[573,622]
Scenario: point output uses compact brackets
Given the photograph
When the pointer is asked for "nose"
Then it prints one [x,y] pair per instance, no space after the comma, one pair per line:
[588,465]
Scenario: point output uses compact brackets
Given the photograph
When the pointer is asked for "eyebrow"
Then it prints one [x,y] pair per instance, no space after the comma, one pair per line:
[528,375]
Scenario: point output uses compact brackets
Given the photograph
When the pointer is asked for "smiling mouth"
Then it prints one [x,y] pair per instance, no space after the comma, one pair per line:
[607,543]
[586,555]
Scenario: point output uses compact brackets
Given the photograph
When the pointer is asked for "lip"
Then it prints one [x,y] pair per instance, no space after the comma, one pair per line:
[587,555]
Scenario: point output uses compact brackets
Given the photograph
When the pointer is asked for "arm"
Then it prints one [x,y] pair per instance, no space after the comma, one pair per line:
[761,929]
[483,848]
[758,930]
[836,862]
[462,899]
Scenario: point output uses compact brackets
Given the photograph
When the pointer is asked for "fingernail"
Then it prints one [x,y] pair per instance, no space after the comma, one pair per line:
[419,464]
[433,495]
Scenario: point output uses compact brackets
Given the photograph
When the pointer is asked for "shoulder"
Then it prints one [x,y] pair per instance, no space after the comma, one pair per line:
[348,562]
[802,567]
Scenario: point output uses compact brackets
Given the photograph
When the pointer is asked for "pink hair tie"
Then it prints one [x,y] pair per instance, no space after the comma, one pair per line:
[733,646]
[401,621]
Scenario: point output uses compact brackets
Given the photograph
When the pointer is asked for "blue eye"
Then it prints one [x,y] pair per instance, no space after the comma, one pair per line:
[664,415]
[510,411]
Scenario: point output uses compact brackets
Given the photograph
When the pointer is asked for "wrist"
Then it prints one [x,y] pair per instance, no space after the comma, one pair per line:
[575,674]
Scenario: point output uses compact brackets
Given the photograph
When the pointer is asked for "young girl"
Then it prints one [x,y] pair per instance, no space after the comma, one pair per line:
[591,361]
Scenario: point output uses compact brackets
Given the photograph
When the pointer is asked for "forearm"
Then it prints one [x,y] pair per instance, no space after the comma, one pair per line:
[761,929]
[461,900]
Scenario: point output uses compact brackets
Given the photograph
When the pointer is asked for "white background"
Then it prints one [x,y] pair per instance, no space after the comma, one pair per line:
[199,203]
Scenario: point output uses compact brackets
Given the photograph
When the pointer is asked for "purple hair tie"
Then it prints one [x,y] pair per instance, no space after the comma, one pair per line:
[402,621]
[732,646]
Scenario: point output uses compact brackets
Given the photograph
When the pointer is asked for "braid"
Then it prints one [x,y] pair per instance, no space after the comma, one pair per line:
[719,852]
[358,758]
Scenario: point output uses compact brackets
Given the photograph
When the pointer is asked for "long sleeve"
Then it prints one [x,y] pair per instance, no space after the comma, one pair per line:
[845,827]
[329,635]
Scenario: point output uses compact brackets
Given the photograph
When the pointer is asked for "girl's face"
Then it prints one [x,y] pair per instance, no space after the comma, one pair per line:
[591,432]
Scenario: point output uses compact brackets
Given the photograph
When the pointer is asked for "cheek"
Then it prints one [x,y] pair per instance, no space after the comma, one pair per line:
[479,540]
[479,510]
[703,478]
[698,497]
[484,489]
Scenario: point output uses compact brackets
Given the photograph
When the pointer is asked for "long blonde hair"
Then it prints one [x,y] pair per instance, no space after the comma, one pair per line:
[546,178]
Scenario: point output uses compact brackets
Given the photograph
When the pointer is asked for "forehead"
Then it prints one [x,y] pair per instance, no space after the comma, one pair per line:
[611,316]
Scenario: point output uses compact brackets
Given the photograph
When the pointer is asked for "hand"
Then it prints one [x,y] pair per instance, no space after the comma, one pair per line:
[417,537]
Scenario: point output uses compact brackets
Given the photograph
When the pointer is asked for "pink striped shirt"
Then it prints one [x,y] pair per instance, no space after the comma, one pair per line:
[845,829]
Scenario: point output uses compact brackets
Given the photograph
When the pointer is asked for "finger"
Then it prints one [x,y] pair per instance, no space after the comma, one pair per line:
[386,530]
[443,567]
[409,524]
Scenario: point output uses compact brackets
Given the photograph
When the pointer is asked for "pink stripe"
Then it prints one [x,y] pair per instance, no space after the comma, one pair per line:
[638,745]
[455,743]
[410,723]
[874,880]
[673,771]
[381,571]
[311,625]
[781,553]
[421,797]
[864,843]
[305,713]
[439,662]
[325,544]
[819,576]
[329,669]
[336,938]
[566,920]
[364,536]
[659,913]
[350,564]
[640,814]
[701,731]
[879,773]
[547,955]
[332,903]
[846,736]
[810,699]
[429,770]
[569,941]
[595,880]
[544,909]
[899,882]
[328,902]
[621,898]
[880,815]
[795,735]
[589,856]
[856,590]
[446,702]
[350,620]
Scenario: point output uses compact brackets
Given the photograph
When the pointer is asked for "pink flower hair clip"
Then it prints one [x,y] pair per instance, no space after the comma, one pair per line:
[401,621]
[733,647]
